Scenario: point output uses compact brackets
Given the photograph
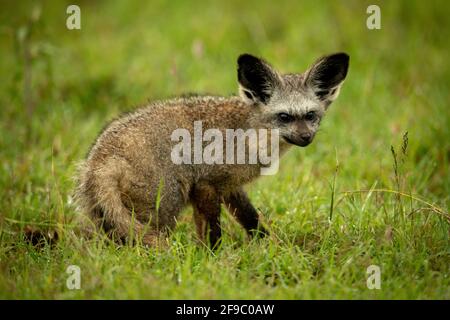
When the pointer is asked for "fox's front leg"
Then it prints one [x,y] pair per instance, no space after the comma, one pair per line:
[239,205]
[206,202]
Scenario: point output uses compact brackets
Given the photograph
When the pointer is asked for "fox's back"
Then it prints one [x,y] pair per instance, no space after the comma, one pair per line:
[144,135]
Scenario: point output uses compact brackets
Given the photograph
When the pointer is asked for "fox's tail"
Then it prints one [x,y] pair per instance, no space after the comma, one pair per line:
[39,238]
[98,195]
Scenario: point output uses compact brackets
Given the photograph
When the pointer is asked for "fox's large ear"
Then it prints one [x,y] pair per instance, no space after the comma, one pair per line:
[326,76]
[257,79]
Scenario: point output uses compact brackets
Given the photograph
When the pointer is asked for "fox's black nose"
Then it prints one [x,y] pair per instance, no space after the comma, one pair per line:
[305,136]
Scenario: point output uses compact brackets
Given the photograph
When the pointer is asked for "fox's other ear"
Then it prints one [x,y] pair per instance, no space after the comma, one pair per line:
[326,76]
[257,79]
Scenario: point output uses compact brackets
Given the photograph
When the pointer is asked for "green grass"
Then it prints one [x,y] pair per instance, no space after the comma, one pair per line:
[127,53]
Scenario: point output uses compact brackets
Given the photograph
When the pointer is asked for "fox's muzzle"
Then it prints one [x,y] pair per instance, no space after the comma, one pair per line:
[301,140]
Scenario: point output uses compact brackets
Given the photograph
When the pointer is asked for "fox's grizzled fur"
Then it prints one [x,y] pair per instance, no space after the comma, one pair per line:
[130,163]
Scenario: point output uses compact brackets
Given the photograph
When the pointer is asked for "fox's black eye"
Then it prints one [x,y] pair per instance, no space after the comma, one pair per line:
[284,117]
[310,116]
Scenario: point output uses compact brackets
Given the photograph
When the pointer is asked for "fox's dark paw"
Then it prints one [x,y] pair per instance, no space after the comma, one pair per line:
[260,232]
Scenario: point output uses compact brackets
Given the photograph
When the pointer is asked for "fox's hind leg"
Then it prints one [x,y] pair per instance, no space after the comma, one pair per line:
[99,195]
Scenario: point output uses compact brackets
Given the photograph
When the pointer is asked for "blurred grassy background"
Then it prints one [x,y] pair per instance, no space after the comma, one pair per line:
[128,52]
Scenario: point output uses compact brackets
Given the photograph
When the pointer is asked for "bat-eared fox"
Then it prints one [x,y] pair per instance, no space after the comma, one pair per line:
[131,187]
